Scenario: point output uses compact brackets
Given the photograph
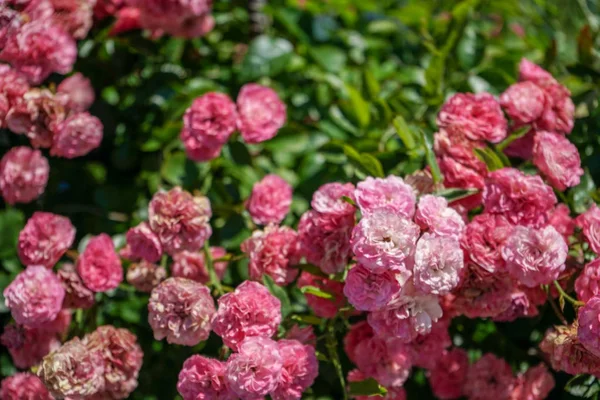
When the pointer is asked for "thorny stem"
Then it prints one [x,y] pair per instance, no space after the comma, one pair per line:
[331,344]
[214,279]
[575,303]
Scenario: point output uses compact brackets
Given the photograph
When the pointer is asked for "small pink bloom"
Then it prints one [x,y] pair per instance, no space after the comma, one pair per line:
[203,378]
[476,116]
[589,222]
[535,384]
[391,193]
[128,19]
[77,295]
[44,239]
[587,284]
[192,265]
[304,335]
[249,311]
[589,325]
[357,333]
[482,296]
[24,386]
[557,159]
[566,353]
[35,296]
[483,240]
[529,71]
[261,113]
[369,291]
[489,377]
[328,199]
[458,175]
[181,310]
[434,215]
[99,265]
[107,8]
[386,360]
[324,308]
[299,371]
[270,200]
[74,16]
[23,175]
[522,304]
[383,240]
[28,346]
[523,102]
[255,370]
[523,199]
[145,276]
[438,264]
[180,220]
[207,124]
[182,18]
[447,378]
[273,252]
[143,243]
[535,256]
[77,136]
[427,350]
[79,90]
[560,219]
[559,112]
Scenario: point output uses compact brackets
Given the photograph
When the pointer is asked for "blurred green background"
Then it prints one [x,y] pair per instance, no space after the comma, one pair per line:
[346,69]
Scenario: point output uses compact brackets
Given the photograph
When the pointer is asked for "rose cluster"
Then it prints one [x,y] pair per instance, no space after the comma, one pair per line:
[212,118]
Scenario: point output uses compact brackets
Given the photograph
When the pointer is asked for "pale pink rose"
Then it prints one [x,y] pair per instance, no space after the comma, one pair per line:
[77,135]
[489,377]
[560,219]
[99,265]
[79,90]
[476,116]
[482,296]
[45,239]
[270,200]
[261,113]
[434,215]
[121,356]
[77,295]
[386,360]
[255,370]
[426,350]
[73,371]
[192,265]
[438,264]
[383,240]
[523,199]
[566,353]
[557,159]
[180,220]
[24,386]
[144,243]
[304,334]
[535,384]
[28,346]
[447,378]
[328,199]
[369,291]
[35,296]
[391,193]
[74,16]
[207,124]
[24,175]
[535,256]
[249,311]
[524,102]
[325,240]
[182,18]
[299,371]
[203,378]
[589,222]
[145,276]
[324,308]
[589,326]
[273,251]
[483,240]
[181,310]
[587,284]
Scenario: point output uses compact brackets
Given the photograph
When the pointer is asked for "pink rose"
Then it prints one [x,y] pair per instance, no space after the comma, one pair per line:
[24,386]
[35,296]
[74,16]
[482,295]
[255,370]
[589,325]
[182,18]
[145,276]
[386,360]
[483,239]
[324,308]
[45,239]
[99,265]
[560,219]
[589,222]
[261,113]
[369,291]
[447,378]
[438,264]
[489,377]
[357,333]
[434,215]
[587,284]
[299,370]
[180,220]
[476,116]
[181,310]
[535,384]
[23,175]
[77,136]
[328,199]
[192,265]
[557,159]
[270,200]
[249,311]
[565,352]
[28,346]
[77,295]
[144,243]
[524,102]
[79,90]
[391,193]
[304,334]
[426,350]
[203,378]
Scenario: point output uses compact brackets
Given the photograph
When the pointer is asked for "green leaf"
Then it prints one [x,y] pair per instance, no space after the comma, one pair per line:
[312,269]
[315,291]
[580,197]
[173,168]
[368,387]
[266,56]
[470,49]
[357,107]
[280,293]
[454,194]
[489,157]
[405,133]
[366,162]
[330,58]
[519,133]
[373,87]
[430,157]
[585,386]
[11,223]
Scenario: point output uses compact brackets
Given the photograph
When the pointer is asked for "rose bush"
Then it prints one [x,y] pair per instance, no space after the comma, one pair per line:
[299,199]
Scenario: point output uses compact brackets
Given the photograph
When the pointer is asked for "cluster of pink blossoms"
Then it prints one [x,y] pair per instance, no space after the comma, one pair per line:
[213,117]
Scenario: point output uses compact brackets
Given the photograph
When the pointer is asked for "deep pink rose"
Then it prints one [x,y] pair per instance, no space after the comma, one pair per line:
[99,265]
[24,386]
[270,200]
[44,239]
[261,113]
[557,159]
[203,378]
[144,243]
[24,174]
[192,265]
[77,136]
[447,378]
[489,377]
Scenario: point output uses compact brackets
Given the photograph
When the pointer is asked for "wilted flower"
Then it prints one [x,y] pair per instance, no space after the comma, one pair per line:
[99,265]
[299,371]
[145,276]
[589,326]
[44,239]
[203,378]
[566,353]
[23,175]
[261,113]
[270,200]
[181,310]
[77,295]
[535,384]
[390,193]
[24,386]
